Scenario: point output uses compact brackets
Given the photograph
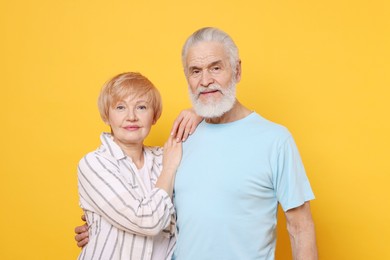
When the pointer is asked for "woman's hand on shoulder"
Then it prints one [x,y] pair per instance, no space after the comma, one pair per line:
[185,124]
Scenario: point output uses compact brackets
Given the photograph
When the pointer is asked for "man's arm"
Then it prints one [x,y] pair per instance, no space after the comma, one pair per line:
[300,227]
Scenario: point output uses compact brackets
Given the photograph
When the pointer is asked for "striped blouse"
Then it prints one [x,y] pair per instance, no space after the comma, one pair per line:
[122,215]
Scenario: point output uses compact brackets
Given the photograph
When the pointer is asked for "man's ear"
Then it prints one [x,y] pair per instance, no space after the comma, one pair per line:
[238,71]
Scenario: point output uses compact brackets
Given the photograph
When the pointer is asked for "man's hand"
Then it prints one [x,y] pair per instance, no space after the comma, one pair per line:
[82,235]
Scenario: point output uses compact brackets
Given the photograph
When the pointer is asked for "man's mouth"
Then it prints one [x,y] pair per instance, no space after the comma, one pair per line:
[208,92]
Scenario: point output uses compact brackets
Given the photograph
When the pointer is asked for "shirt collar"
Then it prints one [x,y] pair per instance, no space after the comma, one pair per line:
[112,148]
[115,151]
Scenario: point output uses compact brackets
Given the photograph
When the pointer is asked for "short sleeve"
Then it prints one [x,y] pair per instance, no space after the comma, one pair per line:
[292,186]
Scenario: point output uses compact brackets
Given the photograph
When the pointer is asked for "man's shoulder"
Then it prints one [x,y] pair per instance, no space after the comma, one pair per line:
[266,126]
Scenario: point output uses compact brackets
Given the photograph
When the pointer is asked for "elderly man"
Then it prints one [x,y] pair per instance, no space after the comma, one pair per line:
[236,168]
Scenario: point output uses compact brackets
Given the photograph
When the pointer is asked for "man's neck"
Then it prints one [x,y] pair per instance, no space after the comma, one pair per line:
[237,112]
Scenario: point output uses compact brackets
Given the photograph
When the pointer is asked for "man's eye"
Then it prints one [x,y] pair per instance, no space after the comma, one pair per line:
[215,69]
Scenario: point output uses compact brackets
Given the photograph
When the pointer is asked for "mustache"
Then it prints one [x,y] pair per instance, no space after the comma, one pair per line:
[209,88]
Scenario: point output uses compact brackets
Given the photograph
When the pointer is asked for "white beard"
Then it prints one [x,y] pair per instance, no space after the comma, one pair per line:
[212,108]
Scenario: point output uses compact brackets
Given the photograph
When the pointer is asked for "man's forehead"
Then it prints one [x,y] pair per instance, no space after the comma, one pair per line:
[205,53]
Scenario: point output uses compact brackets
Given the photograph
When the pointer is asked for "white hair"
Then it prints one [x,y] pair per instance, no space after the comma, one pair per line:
[210,34]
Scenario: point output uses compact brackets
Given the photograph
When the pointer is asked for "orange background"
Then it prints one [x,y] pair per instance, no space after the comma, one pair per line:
[321,68]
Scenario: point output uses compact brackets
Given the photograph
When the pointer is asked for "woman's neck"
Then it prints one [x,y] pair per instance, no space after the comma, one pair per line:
[135,152]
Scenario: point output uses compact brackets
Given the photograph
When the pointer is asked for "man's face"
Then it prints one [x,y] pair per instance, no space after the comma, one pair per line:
[211,80]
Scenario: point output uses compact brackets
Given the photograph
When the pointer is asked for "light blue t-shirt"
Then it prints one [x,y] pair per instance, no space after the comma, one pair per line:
[228,186]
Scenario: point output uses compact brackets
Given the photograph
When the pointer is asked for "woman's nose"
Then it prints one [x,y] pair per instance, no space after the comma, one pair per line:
[132,116]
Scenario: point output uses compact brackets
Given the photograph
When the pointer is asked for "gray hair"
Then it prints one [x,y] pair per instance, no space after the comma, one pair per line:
[210,34]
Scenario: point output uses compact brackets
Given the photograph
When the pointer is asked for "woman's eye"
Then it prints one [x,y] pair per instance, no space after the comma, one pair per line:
[141,107]
[120,107]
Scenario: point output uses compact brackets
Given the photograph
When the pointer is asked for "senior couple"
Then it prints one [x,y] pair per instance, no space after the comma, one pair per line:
[214,196]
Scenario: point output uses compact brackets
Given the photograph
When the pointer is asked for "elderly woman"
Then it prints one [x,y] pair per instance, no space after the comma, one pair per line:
[126,187]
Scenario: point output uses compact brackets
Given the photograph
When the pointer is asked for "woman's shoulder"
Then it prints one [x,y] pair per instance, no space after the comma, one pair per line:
[98,157]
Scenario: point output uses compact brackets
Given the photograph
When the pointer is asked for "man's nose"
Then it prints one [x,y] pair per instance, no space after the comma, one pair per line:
[206,78]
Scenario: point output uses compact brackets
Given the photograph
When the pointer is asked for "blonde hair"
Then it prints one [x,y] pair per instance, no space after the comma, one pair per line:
[128,84]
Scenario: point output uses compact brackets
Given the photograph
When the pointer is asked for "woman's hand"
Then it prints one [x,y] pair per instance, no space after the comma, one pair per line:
[172,155]
[185,124]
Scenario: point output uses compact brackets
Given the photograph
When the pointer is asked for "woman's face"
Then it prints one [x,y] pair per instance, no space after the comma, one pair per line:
[130,120]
